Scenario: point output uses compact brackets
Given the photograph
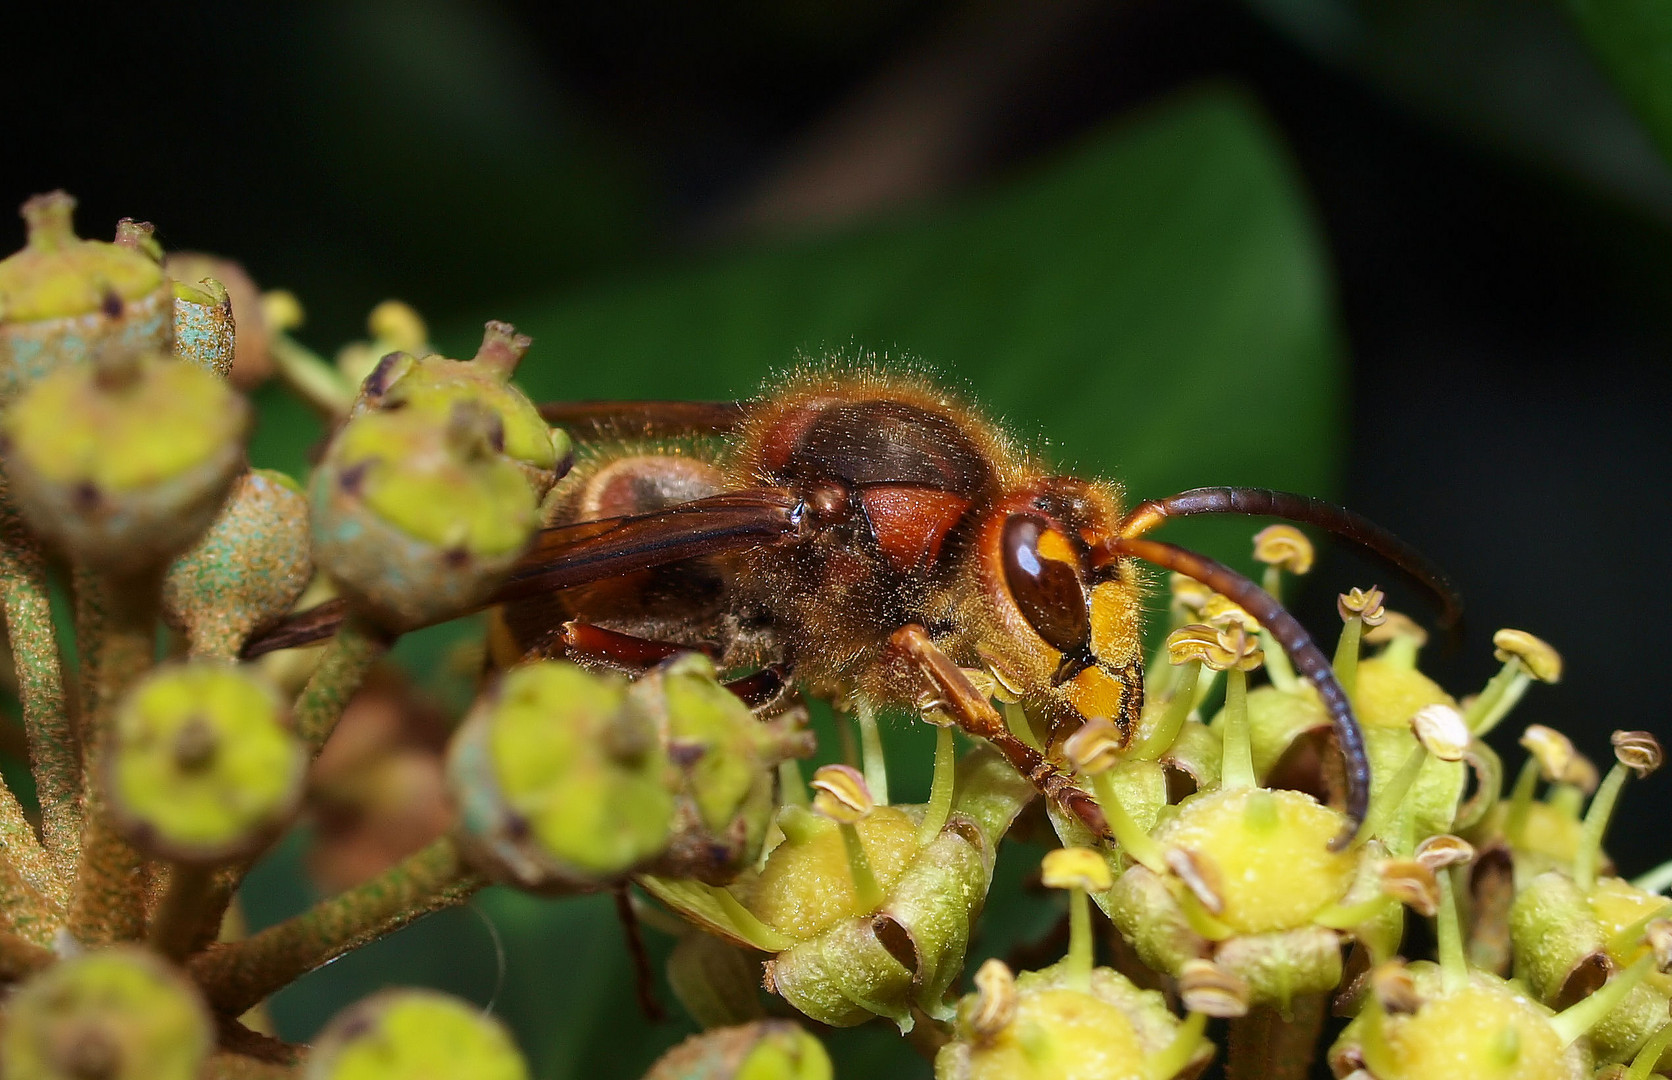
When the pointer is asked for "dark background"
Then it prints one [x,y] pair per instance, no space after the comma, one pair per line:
[1496,220]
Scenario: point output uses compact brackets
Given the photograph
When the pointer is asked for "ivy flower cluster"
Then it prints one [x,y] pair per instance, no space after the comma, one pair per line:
[1219,917]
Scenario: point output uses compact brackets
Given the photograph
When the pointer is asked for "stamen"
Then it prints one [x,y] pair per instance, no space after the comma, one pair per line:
[1080,871]
[840,794]
[1635,752]
[1525,658]
[939,807]
[1358,608]
[1094,750]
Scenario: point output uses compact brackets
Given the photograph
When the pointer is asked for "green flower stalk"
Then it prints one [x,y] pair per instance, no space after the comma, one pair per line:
[414,1035]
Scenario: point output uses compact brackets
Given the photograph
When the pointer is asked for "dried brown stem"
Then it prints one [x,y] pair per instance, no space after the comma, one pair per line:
[1264,1045]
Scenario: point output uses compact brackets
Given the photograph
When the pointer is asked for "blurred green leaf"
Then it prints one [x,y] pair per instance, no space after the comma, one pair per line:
[1153,305]
[1633,38]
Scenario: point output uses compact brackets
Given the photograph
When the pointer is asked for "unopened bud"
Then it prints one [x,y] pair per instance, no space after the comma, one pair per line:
[1535,655]
[1207,988]
[840,794]
[1365,604]
[1442,731]
[1076,868]
[1285,547]
[1638,751]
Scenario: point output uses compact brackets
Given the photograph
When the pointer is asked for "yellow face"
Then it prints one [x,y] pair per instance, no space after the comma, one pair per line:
[1073,631]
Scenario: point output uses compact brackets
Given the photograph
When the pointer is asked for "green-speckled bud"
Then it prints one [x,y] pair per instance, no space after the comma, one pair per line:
[418,520]
[1044,1027]
[203,330]
[124,463]
[431,385]
[724,758]
[414,1035]
[248,569]
[116,1014]
[63,299]
[1568,941]
[764,1050]
[203,766]
[1483,1028]
[562,781]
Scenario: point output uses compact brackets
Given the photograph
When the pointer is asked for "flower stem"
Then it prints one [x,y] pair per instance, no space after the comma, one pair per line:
[1177,710]
[106,903]
[1521,802]
[1078,961]
[865,887]
[1168,1062]
[54,753]
[1497,698]
[1347,655]
[350,655]
[1385,804]
[940,788]
[240,974]
[1596,825]
[1237,770]
[1448,930]
[1139,845]
[875,766]
[1643,1065]
[1275,1044]
[185,907]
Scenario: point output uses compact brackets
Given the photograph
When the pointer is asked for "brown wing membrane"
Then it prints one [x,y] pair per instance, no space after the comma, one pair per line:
[643,419]
[1304,509]
[1308,659]
[569,555]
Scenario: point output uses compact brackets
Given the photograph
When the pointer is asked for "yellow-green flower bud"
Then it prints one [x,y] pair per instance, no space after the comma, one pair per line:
[124,463]
[414,1035]
[115,1014]
[1042,1026]
[562,782]
[432,385]
[724,759]
[247,571]
[418,520]
[203,765]
[765,1050]
[64,299]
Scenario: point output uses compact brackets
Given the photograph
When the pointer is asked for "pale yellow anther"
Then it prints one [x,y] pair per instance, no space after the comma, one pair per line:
[280,310]
[1412,883]
[1442,731]
[1395,989]
[840,794]
[1199,876]
[1194,642]
[1395,625]
[1076,868]
[1638,751]
[399,325]
[1187,592]
[1365,604]
[1552,750]
[1218,648]
[1284,546]
[1658,934]
[1535,655]
[995,1000]
[1439,852]
[1207,988]
[1222,612]
[1095,747]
